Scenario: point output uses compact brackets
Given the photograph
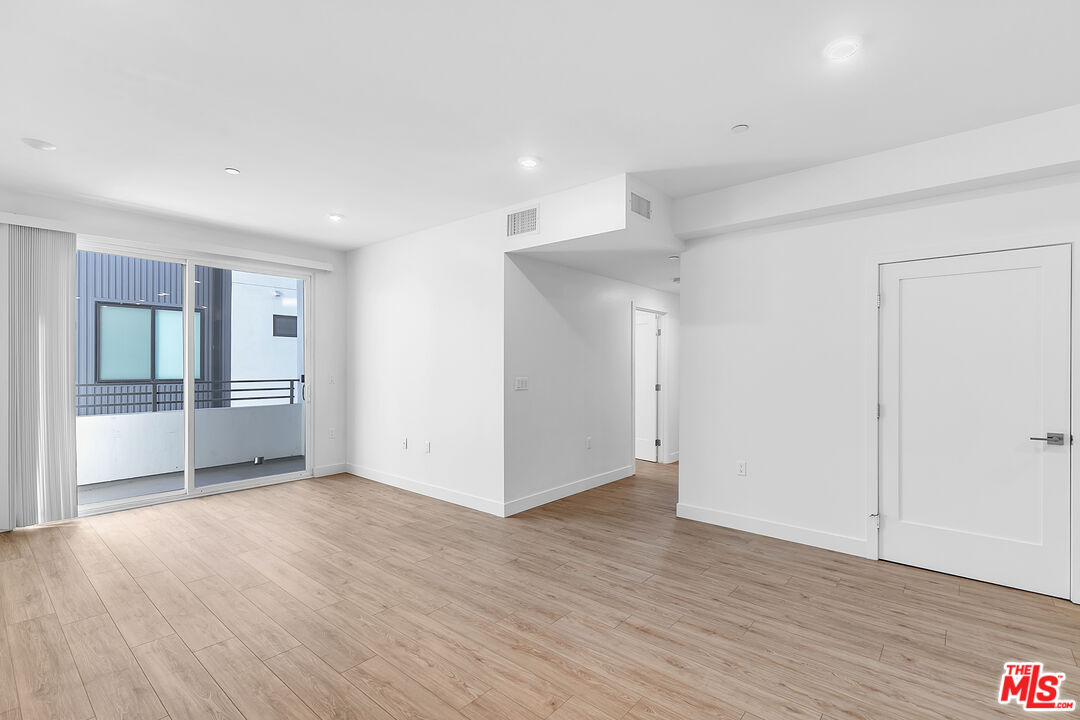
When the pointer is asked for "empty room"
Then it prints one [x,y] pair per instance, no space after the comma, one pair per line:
[494,360]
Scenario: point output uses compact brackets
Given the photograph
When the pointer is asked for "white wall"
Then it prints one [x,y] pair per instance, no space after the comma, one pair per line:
[569,332]
[425,350]
[778,337]
[114,447]
[179,236]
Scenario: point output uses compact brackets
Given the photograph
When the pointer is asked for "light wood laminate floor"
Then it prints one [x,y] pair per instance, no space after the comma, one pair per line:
[342,598]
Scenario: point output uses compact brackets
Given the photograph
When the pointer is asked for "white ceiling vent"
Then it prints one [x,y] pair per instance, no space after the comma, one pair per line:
[640,205]
[521,222]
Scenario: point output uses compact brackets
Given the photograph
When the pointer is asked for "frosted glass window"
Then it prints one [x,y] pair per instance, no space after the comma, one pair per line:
[169,353]
[123,343]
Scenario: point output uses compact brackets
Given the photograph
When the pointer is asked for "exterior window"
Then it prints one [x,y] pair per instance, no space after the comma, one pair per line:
[169,348]
[123,343]
[284,326]
[140,343]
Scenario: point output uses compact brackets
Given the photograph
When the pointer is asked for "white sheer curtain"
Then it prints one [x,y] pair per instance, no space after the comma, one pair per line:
[41,374]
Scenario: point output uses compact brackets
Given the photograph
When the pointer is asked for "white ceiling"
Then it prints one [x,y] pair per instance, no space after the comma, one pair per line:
[404,115]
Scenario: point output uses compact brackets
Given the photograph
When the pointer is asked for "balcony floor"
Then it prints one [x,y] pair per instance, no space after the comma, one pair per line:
[150,484]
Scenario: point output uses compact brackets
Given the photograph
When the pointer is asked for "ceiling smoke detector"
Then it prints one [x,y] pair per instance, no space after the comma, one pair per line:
[232,171]
[740,128]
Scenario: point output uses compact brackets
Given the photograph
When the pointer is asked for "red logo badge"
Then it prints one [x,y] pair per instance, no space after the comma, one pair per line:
[1033,689]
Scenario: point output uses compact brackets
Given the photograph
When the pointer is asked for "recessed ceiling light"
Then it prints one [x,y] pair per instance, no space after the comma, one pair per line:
[843,48]
[335,217]
[38,144]
[740,128]
[529,162]
[232,171]
[672,257]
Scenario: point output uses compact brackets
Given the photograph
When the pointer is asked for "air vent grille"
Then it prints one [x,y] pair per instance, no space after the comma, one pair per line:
[640,205]
[520,222]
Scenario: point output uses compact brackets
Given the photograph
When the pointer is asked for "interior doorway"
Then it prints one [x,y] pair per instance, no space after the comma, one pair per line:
[975,434]
[647,386]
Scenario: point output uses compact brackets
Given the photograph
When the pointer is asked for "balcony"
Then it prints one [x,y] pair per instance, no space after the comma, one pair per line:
[130,436]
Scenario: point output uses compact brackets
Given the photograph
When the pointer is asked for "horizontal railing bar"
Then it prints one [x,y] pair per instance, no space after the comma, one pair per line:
[265,380]
[89,406]
[260,397]
[181,382]
[113,405]
[243,390]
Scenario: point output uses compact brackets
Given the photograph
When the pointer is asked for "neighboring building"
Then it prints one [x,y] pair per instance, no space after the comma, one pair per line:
[130,336]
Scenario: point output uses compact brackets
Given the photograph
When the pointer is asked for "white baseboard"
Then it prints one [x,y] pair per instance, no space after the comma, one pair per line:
[769,528]
[543,497]
[672,457]
[324,470]
[474,502]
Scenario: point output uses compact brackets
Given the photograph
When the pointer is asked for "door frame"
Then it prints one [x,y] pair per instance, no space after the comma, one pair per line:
[952,247]
[189,259]
[661,378]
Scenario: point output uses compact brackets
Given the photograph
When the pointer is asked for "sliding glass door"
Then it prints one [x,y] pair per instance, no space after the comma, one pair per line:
[234,351]
[249,416]
[129,398]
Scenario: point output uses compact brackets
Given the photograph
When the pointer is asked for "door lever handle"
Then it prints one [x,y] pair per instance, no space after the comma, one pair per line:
[1051,438]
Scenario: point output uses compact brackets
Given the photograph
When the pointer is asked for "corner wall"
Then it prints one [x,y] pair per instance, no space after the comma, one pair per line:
[426,345]
[570,333]
[425,341]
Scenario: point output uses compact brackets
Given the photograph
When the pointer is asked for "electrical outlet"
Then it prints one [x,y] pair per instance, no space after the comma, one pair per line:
[405,444]
[427,446]
[588,442]
[333,433]
[521,382]
[740,468]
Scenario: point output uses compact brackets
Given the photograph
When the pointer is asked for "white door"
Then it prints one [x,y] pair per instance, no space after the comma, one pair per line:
[975,354]
[646,345]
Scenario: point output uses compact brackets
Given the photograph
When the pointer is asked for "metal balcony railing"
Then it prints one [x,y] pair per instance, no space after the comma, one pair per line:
[159,395]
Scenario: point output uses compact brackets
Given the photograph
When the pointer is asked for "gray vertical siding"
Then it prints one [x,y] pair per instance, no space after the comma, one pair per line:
[119,279]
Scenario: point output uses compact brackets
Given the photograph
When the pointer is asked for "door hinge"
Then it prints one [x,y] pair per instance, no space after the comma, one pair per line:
[657,332]
[876,518]
[657,442]
[657,387]
[879,300]
[879,411]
